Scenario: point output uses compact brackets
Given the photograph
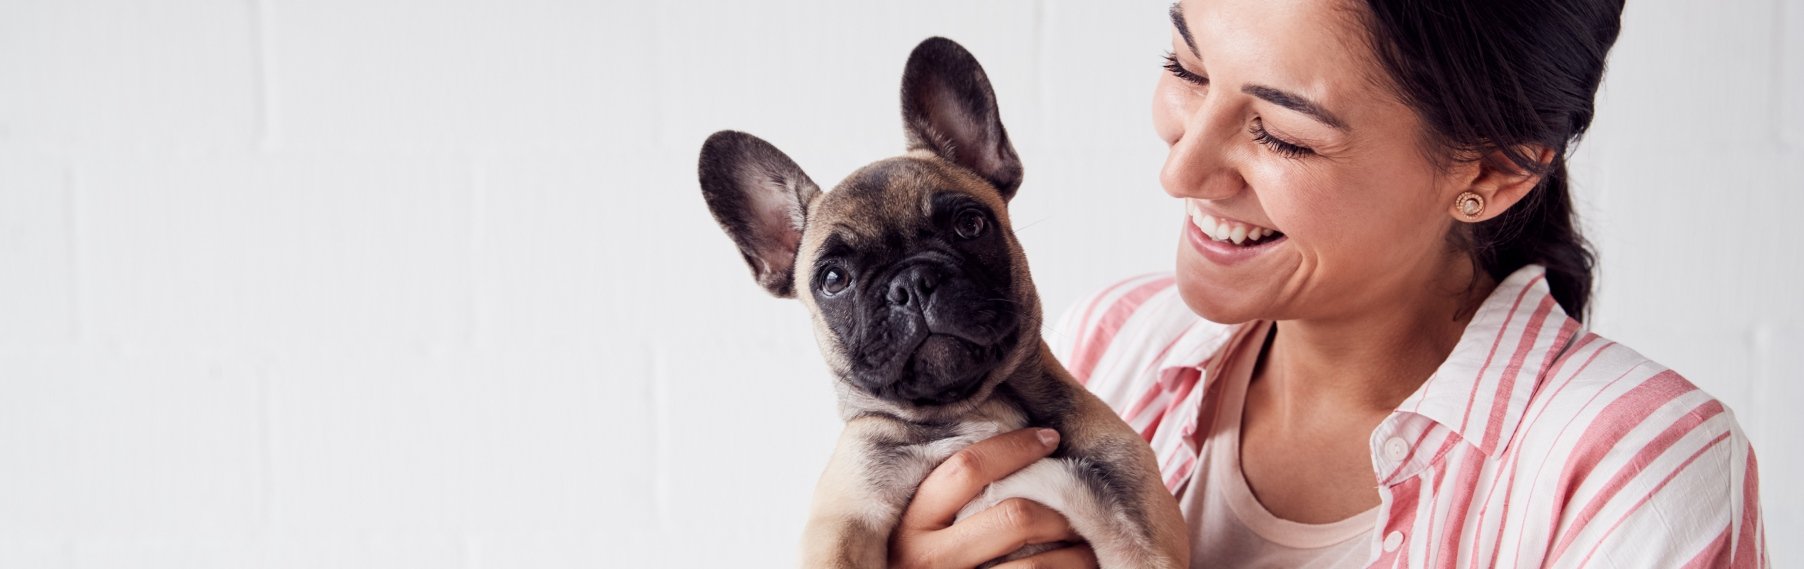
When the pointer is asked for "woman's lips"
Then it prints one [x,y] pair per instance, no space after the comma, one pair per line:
[1227,242]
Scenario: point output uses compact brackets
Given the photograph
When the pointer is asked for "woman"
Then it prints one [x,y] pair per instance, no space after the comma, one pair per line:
[1371,353]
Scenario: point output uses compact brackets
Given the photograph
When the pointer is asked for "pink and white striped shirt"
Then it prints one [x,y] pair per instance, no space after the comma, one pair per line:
[1535,444]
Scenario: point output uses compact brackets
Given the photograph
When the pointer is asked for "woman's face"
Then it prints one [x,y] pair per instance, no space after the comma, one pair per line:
[1279,120]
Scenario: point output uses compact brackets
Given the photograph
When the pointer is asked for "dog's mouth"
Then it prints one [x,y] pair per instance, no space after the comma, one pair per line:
[942,369]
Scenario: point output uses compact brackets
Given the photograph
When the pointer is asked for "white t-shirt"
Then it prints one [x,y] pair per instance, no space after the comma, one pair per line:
[1231,528]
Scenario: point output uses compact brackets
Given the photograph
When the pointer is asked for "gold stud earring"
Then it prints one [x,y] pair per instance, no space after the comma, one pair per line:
[1470,204]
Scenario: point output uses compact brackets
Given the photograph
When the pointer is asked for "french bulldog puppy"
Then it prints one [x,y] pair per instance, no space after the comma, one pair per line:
[924,310]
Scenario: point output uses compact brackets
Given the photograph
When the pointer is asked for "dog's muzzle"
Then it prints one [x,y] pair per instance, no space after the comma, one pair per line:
[944,334]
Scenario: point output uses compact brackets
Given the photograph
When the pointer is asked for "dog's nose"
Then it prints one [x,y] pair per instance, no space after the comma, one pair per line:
[912,286]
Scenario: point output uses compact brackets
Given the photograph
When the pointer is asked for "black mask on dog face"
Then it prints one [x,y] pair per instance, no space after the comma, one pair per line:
[924,307]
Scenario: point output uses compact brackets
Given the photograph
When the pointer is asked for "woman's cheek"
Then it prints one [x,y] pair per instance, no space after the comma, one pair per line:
[1297,204]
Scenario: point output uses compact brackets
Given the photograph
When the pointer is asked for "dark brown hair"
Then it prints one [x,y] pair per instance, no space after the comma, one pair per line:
[1498,77]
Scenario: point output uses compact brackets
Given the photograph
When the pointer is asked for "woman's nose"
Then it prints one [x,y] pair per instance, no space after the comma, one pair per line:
[1198,164]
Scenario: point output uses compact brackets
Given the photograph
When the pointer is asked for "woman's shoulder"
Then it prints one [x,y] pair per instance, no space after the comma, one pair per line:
[1117,336]
[1613,419]
[1599,393]
[1621,438]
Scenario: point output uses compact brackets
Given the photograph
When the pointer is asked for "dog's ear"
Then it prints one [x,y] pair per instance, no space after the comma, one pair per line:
[949,109]
[761,198]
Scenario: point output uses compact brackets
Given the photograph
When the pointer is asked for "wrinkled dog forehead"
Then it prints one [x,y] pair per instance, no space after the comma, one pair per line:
[888,205]
[898,194]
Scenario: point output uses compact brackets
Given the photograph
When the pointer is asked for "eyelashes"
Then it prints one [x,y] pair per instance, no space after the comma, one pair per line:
[1265,138]
[1277,145]
[1178,70]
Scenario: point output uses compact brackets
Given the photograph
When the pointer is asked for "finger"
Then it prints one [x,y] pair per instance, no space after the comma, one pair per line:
[1075,557]
[998,531]
[954,482]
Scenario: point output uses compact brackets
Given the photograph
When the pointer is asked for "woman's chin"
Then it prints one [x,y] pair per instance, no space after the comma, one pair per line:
[1218,297]
[1210,304]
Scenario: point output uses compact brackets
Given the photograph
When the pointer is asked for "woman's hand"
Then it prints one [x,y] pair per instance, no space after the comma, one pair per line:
[927,536]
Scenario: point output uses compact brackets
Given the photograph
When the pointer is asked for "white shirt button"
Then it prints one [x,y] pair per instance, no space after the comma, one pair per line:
[1394,540]
[1395,449]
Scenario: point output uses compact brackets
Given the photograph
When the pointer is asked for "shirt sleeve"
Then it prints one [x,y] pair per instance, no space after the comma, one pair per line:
[1064,335]
[1680,489]
[1108,339]
[1082,332]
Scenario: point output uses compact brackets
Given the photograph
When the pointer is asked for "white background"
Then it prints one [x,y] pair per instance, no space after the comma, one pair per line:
[410,283]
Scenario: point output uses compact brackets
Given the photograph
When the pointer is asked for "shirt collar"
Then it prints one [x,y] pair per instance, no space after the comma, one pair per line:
[1195,350]
[1482,389]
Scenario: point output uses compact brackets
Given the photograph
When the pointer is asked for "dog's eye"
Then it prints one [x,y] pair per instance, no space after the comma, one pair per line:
[834,280]
[970,224]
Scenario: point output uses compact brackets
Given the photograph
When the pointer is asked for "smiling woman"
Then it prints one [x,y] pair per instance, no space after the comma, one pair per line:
[1379,215]
[1373,352]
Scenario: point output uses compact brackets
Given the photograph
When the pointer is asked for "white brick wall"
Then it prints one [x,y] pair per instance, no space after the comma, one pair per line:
[429,284]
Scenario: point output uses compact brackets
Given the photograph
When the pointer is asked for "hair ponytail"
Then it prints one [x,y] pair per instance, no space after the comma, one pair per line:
[1541,229]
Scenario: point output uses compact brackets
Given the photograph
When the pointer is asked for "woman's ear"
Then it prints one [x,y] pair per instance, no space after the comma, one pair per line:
[1501,183]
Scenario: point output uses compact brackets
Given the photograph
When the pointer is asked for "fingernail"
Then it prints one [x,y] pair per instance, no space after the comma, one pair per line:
[1048,437]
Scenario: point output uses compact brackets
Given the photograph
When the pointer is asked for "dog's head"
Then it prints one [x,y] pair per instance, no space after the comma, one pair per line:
[921,297]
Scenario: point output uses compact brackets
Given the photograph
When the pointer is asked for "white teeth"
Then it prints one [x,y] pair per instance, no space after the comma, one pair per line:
[1220,230]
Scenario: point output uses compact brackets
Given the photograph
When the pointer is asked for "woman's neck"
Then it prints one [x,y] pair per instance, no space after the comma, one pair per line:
[1367,363]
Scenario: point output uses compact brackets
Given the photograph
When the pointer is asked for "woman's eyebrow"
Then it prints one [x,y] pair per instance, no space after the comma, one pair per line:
[1278,97]
[1177,21]
[1296,103]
